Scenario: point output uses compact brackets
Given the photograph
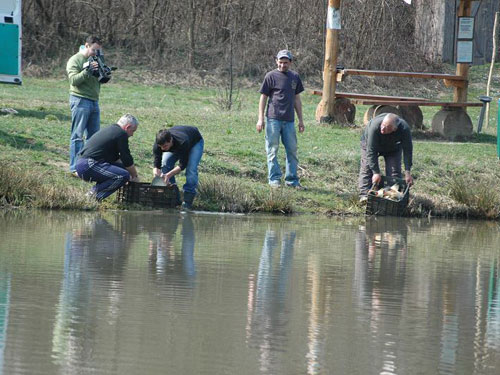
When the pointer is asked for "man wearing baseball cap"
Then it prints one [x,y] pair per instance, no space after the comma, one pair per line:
[280,91]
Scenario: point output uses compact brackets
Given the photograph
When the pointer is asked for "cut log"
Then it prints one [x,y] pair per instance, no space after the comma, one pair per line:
[369,114]
[412,114]
[386,109]
[343,113]
[452,123]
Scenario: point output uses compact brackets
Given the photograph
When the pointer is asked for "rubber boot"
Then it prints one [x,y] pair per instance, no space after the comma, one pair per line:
[178,200]
[188,200]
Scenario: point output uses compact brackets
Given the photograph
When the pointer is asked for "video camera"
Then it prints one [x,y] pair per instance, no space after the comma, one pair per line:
[103,72]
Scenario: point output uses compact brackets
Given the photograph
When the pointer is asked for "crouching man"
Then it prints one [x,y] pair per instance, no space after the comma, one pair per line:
[183,144]
[389,136]
[106,159]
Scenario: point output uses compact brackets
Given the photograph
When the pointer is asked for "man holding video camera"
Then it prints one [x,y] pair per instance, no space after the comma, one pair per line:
[83,73]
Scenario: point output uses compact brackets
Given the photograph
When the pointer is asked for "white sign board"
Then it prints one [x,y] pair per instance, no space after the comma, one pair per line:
[464,52]
[465,27]
[333,19]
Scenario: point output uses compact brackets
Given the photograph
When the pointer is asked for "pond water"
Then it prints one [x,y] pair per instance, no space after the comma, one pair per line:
[171,293]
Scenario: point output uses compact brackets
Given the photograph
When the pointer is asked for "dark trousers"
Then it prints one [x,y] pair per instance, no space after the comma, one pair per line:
[108,177]
[392,168]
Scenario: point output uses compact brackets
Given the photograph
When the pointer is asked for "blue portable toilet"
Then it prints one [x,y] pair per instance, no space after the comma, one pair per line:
[10,35]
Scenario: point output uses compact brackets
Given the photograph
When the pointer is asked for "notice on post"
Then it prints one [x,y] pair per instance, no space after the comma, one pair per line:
[333,19]
[465,27]
[464,51]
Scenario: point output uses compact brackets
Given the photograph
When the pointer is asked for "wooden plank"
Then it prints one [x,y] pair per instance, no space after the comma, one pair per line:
[367,99]
[352,95]
[389,73]
[418,103]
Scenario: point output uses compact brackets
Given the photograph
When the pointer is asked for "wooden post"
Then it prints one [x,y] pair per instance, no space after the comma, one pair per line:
[460,93]
[325,110]
[493,55]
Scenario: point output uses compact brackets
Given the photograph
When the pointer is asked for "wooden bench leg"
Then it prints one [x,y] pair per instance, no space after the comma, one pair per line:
[369,114]
[412,114]
[376,110]
[453,123]
[344,113]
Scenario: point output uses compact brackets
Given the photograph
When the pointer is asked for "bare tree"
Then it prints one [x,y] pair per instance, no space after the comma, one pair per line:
[180,35]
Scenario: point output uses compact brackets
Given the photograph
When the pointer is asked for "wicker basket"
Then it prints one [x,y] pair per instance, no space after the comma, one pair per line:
[149,195]
[388,207]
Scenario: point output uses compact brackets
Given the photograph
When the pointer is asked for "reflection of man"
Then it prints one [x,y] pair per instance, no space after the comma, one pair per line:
[389,136]
[94,260]
[267,315]
[162,257]
[380,266]
[106,158]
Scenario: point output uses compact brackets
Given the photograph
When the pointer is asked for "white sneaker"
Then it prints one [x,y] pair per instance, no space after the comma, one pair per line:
[274,184]
[91,194]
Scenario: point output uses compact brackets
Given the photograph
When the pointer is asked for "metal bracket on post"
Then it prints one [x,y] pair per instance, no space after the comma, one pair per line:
[485,99]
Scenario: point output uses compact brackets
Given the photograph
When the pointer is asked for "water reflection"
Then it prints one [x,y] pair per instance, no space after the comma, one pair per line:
[267,318]
[95,256]
[4,313]
[214,294]
[493,309]
[165,265]
[379,280]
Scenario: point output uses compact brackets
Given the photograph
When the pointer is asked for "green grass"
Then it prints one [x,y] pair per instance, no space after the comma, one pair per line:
[233,172]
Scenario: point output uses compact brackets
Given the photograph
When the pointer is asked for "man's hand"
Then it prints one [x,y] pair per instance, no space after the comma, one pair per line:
[166,179]
[156,172]
[376,179]
[408,178]
[91,66]
[261,124]
[301,126]
[135,178]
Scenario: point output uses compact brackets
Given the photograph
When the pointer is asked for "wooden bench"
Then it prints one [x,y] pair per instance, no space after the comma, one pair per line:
[356,96]
[452,121]
[449,79]
[368,99]
[406,107]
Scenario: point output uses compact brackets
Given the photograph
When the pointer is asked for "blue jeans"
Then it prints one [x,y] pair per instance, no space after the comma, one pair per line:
[285,130]
[108,177]
[85,118]
[168,163]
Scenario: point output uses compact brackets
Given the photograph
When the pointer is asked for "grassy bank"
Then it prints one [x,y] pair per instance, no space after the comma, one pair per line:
[452,179]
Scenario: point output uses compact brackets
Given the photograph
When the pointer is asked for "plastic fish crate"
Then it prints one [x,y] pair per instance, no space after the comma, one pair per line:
[149,195]
[384,206]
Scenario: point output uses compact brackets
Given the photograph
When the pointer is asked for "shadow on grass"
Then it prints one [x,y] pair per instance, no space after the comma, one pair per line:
[483,138]
[43,114]
[19,142]
[474,138]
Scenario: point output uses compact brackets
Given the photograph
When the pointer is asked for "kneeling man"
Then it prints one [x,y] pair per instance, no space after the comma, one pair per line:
[389,136]
[184,144]
[106,158]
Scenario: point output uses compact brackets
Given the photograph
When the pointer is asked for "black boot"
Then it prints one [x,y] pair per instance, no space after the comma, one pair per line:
[188,200]
[178,200]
